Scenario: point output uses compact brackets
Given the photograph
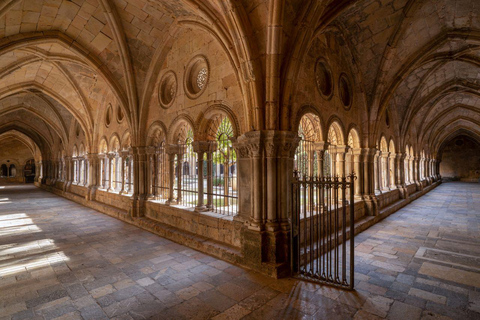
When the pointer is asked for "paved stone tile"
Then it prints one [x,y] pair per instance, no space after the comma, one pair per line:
[91,266]
[402,311]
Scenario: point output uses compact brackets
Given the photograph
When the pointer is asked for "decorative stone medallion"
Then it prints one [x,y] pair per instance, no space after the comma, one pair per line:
[345,91]
[196,77]
[167,90]
[108,115]
[323,79]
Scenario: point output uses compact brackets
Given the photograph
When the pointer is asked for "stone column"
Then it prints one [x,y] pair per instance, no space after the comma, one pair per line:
[46,171]
[41,169]
[139,181]
[180,156]
[357,154]
[369,158]
[69,162]
[378,170]
[430,170]
[201,147]
[123,161]
[210,176]
[400,171]
[416,168]
[333,156]
[85,171]
[385,174]
[392,171]
[320,150]
[37,171]
[93,174]
[341,152]
[265,171]
[151,172]
[53,176]
[172,150]
[110,159]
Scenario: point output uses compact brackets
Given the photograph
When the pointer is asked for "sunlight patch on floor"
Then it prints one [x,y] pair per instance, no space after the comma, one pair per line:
[29,265]
[30,247]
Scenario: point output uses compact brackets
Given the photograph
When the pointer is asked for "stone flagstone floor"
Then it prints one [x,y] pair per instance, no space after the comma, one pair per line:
[59,260]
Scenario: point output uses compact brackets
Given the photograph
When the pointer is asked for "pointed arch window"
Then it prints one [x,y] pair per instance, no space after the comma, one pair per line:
[307,159]
[223,194]
[158,167]
[186,183]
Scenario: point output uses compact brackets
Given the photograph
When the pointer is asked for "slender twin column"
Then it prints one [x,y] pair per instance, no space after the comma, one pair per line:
[202,148]
[151,172]
[175,154]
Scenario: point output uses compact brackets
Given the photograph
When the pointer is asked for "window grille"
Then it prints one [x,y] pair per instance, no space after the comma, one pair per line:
[162,175]
[186,172]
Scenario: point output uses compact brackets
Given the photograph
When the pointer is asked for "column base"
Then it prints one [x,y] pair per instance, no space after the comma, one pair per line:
[267,252]
[371,204]
[201,208]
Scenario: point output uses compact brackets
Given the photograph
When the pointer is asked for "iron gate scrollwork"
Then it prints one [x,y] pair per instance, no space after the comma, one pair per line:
[322,224]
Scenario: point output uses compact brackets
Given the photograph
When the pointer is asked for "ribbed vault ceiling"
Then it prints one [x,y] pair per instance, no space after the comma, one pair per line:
[60,59]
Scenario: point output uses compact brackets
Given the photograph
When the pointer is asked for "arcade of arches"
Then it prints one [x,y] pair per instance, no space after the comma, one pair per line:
[188,118]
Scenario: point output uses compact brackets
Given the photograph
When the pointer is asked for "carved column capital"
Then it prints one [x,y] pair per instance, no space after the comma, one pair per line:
[268,143]
[248,145]
[151,150]
[204,146]
[173,149]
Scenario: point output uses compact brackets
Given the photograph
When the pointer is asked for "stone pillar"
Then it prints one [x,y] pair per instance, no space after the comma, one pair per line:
[46,171]
[171,175]
[265,171]
[400,171]
[53,167]
[378,170]
[139,182]
[85,171]
[340,156]
[110,159]
[123,161]
[416,169]
[180,176]
[172,150]
[369,158]
[392,171]
[384,174]
[201,147]
[357,154]
[320,150]
[93,174]
[341,152]
[37,171]
[430,170]
[69,161]
[151,172]
[210,176]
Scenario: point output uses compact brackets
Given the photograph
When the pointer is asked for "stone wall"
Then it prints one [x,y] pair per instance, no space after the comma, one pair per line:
[461,160]
[16,153]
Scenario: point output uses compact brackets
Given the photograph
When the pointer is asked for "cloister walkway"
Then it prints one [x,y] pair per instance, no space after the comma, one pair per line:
[61,260]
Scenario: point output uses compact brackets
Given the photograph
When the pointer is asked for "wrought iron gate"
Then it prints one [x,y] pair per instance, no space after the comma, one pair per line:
[323,229]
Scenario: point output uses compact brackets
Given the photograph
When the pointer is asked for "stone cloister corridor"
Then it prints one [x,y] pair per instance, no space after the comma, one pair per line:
[60,260]
[198,158]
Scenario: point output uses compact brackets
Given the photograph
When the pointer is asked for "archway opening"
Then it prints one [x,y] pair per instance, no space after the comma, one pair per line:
[460,159]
